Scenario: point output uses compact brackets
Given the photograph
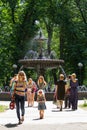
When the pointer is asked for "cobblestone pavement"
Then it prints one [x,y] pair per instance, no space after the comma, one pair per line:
[53,120]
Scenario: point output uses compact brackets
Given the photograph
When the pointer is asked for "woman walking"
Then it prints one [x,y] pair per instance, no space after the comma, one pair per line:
[31,89]
[19,93]
[74,91]
[60,90]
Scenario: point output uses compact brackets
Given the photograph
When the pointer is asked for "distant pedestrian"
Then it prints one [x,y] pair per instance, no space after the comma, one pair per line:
[41,83]
[13,79]
[60,91]
[12,83]
[41,102]
[74,91]
[31,89]
[67,93]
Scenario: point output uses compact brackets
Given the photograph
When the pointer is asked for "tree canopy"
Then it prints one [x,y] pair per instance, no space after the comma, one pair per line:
[64,23]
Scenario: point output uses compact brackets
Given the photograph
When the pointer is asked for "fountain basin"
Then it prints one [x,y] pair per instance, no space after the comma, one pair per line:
[41,63]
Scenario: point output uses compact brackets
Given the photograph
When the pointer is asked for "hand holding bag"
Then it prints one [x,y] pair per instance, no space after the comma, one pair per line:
[12,103]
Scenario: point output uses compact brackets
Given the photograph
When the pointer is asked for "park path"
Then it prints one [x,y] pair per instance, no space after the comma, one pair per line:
[54,119]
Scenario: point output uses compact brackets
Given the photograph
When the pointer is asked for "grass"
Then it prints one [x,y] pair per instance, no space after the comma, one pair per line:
[3,108]
[84,105]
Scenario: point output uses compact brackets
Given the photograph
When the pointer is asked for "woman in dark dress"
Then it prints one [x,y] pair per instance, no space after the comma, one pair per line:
[74,91]
[60,90]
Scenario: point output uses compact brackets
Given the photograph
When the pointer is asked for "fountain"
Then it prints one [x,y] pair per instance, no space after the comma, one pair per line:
[40,60]
[82,88]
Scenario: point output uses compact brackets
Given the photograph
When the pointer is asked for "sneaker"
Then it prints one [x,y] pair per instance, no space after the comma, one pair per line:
[22,118]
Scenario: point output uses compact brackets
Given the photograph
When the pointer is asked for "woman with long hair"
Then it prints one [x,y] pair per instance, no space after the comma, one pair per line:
[41,83]
[31,89]
[19,93]
[74,91]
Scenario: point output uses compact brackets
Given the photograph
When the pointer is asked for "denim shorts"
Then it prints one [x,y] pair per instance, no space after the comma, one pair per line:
[41,106]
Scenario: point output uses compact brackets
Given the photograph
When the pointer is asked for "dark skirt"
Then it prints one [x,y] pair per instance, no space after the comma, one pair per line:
[41,106]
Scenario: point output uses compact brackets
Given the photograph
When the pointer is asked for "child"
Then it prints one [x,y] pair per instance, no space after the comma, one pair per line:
[41,102]
[29,99]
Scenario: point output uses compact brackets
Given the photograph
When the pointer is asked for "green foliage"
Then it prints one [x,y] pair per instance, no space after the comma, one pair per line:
[64,22]
[3,108]
[85,103]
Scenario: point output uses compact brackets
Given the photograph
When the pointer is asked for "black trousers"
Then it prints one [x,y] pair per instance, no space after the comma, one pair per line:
[67,101]
[20,105]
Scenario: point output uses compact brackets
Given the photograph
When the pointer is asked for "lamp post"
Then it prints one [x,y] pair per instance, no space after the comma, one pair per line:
[14,67]
[80,65]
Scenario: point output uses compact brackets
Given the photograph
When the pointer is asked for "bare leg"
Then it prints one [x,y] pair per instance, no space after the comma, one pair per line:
[42,114]
[33,95]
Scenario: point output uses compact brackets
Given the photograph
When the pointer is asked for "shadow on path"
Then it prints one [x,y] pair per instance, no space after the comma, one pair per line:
[36,119]
[9,125]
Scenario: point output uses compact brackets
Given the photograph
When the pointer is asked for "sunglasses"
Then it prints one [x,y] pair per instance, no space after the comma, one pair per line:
[21,75]
[40,92]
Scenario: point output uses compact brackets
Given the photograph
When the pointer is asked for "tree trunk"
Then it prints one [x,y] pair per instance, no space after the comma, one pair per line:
[61,42]
[49,27]
[78,5]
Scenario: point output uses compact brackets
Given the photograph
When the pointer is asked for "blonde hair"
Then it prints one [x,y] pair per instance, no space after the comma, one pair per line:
[22,73]
[40,91]
[30,79]
[41,77]
[61,76]
[74,75]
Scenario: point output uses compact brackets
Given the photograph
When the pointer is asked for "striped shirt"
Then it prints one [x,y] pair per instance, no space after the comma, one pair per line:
[20,88]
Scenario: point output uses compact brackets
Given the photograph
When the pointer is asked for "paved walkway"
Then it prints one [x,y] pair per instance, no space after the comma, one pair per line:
[54,119]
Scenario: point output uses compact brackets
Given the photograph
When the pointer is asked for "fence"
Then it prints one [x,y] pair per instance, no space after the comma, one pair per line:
[5,96]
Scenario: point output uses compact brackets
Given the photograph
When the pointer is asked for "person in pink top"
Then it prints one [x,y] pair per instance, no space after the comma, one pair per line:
[31,89]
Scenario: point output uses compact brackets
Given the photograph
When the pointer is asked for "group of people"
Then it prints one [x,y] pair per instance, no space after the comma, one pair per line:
[20,87]
[65,90]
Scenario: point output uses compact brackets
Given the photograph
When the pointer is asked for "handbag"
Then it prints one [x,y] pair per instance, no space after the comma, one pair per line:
[12,103]
[34,89]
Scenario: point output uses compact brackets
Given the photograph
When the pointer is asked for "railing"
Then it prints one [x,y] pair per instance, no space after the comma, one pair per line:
[5,96]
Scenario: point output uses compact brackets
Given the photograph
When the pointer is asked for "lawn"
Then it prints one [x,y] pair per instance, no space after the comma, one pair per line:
[3,108]
[84,105]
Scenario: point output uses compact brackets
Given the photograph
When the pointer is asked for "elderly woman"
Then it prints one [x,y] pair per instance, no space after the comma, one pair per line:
[19,93]
[74,91]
